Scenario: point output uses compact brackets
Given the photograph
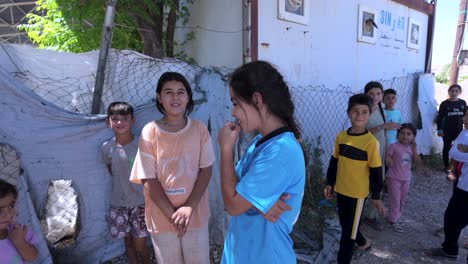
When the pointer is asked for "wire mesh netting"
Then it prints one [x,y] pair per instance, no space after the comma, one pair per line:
[132,77]
[10,166]
[321,111]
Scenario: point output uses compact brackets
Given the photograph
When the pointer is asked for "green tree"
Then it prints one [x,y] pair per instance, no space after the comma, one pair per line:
[146,26]
[443,75]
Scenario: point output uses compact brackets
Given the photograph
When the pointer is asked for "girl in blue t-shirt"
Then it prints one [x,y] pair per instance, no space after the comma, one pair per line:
[272,165]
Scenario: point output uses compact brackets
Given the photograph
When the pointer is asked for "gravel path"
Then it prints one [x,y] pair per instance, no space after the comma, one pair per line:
[423,215]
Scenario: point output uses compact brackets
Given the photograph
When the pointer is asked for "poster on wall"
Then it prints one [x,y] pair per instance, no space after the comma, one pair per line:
[392,27]
[296,11]
[414,34]
[366,24]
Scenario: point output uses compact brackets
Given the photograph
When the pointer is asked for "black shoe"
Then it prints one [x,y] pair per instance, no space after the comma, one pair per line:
[440,254]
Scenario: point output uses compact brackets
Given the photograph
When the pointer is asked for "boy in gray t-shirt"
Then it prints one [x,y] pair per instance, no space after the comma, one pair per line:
[126,217]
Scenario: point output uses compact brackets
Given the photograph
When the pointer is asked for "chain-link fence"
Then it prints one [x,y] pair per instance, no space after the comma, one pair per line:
[321,110]
[10,166]
[130,77]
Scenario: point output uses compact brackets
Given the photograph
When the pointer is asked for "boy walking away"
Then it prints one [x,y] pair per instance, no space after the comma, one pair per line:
[355,164]
[126,217]
[391,114]
[456,214]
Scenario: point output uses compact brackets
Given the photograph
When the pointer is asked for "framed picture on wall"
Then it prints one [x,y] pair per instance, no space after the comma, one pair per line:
[414,34]
[296,11]
[367,28]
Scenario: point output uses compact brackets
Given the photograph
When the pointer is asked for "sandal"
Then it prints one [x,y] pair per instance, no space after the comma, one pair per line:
[366,246]
[440,254]
[397,227]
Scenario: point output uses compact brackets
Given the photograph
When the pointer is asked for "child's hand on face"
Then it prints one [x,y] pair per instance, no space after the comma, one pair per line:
[462,148]
[17,233]
[227,135]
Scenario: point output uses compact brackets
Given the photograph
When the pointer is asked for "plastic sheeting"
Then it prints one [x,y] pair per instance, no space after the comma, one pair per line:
[426,137]
[57,144]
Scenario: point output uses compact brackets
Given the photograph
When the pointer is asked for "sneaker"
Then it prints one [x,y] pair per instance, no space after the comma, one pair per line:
[374,223]
[440,254]
[397,227]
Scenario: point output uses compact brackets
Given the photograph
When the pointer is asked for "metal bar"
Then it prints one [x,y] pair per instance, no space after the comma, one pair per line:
[254,31]
[106,39]
[419,5]
[430,39]
[18,4]
[454,68]
[12,34]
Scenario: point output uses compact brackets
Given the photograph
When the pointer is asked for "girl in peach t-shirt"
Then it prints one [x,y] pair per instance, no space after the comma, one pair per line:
[174,160]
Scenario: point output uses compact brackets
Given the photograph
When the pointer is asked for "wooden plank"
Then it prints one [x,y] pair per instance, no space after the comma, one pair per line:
[419,5]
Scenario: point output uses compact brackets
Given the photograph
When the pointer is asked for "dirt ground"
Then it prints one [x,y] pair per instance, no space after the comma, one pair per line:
[422,216]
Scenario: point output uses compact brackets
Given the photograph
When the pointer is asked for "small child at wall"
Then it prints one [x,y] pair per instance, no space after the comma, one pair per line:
[391,114]
[17,242]
[399,158]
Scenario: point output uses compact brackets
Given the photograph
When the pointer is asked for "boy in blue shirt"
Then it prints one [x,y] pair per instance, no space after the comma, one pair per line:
[391,114]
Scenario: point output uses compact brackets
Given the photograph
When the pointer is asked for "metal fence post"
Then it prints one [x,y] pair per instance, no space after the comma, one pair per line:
[106,39]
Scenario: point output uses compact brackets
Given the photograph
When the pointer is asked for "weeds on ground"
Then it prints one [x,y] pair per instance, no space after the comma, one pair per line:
[433,160]
[311,219]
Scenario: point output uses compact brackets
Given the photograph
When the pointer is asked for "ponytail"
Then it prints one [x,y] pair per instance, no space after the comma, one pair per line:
[292,124]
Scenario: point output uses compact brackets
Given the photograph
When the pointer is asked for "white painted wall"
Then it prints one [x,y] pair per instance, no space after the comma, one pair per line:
[326,51]
[218,33]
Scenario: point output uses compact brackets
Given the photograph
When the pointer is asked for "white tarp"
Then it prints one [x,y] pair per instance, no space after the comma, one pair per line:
[58,144]
[426,138]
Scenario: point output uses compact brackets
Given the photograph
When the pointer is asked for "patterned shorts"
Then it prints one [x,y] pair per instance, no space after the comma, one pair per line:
[124,220]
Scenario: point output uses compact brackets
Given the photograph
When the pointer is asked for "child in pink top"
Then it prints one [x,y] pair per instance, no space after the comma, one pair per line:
[399,158]
[17,242]
[174,160]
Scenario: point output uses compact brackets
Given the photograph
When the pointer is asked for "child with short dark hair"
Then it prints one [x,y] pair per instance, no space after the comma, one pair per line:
[354,166]
[127,210]
[399,158]
[391,114]
[17,242]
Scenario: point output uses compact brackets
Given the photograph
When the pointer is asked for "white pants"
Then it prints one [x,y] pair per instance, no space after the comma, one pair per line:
[192,248]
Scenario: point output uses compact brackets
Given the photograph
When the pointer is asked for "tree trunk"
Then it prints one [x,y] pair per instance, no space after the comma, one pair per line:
[170,30]
[151,32]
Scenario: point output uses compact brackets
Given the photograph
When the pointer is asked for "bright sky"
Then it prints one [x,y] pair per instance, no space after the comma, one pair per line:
[445,30]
